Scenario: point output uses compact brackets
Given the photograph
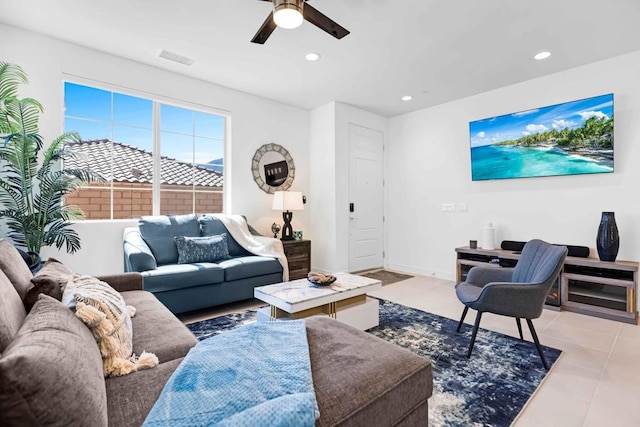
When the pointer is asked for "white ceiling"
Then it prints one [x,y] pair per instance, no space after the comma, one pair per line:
[435,50]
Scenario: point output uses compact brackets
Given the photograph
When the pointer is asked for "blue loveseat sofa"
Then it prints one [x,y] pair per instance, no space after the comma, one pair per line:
[150,249]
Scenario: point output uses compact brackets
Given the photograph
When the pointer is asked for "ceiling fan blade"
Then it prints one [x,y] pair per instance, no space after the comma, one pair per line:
[265,30]
[323,22]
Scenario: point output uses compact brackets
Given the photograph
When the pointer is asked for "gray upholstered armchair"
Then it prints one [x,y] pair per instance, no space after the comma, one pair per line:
[517,292]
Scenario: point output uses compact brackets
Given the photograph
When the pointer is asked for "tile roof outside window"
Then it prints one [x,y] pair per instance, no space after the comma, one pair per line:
[134,165]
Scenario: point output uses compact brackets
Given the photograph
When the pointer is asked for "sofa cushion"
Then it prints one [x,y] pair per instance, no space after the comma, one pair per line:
[12,312]
[202,249]
[178,276]
[14,267]
[156,329]
[158,232]
[249,266]
[212,226]
[51,373]
[379,383]
[50,280]
[131,398]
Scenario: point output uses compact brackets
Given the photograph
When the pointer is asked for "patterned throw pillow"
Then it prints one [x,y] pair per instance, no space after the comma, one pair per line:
[202,249]
[105,313]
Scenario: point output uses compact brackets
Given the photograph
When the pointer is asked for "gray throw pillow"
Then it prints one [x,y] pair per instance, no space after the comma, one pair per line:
[14,267]
[50,280]
[202,249]
[51,373]
[12,312]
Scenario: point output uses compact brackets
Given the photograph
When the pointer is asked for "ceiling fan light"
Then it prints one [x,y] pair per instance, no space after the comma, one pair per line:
[288,13]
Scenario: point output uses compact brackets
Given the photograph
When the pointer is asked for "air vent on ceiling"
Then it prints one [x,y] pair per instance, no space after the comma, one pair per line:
[171,56]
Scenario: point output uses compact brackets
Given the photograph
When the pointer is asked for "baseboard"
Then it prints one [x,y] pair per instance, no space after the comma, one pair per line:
[400,268]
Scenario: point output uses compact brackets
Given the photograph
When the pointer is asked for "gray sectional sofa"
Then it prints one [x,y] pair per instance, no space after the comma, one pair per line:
[51,370]
[150,250]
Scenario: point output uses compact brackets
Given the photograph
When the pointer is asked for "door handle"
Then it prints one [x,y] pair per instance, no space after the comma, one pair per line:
[351,207]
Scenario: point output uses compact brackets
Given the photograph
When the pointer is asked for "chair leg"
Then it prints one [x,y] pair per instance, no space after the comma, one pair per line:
[538,346]
[475,332]
[464,314]
[519,328]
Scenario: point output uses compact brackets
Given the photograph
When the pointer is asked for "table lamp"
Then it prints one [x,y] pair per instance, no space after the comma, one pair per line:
[287,201]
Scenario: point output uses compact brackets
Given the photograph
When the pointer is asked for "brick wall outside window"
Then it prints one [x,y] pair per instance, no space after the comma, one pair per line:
[132,200]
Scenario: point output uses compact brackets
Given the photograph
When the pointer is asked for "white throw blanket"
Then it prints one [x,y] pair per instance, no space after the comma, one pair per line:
[257,245]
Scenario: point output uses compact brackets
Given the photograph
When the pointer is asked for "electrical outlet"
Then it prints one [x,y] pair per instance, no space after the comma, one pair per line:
[448,207]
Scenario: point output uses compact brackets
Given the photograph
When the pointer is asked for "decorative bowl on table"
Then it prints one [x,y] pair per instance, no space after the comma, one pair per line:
[321,279]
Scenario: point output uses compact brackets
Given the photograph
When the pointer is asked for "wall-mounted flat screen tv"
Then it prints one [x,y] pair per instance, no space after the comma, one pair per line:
[565,139]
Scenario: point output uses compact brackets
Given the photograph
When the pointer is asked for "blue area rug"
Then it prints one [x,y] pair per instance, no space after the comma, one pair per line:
[490,389]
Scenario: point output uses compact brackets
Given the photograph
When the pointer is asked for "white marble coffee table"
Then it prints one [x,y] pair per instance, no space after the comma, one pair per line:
[345,300]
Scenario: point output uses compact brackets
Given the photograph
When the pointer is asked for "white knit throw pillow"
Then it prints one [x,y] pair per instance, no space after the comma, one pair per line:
[106,314]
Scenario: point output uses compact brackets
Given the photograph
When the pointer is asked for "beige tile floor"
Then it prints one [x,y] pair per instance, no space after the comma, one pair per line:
[596,381]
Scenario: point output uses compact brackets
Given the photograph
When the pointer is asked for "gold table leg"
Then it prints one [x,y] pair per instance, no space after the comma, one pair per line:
[332,310]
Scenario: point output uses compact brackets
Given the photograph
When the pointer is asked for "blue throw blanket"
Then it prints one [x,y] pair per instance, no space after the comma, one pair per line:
[259,374]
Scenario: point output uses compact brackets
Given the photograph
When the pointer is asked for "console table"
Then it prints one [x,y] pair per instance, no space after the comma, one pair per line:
[585,285]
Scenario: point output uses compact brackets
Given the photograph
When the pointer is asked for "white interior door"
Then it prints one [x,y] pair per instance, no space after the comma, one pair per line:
[366,198]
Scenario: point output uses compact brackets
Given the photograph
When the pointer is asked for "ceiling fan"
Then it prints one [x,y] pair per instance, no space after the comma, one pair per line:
[290,14]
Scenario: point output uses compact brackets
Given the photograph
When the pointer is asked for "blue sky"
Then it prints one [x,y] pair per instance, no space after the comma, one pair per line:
[512,126]
[184,134]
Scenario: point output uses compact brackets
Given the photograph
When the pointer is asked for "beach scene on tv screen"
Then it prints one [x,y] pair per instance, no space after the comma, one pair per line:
[565,139]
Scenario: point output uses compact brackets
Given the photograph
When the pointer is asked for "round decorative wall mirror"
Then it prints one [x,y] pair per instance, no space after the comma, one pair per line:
[272,168]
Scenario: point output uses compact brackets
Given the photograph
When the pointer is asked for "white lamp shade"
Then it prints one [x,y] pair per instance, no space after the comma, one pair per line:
[287,201]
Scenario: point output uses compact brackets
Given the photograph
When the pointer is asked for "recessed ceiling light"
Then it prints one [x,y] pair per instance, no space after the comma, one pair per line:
[312,56]
[407,98]
[542,55]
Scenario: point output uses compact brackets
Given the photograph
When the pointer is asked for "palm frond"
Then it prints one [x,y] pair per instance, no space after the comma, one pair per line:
[26,112]
[8,123]
[54,158]
[85,176]
[21,154]
[48,201]
[14,221]
[57,150]
[70,213]
[11,76]
[60,233]
[9,197]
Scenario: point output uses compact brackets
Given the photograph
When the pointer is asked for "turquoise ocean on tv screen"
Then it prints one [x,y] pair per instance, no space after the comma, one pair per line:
[500,162]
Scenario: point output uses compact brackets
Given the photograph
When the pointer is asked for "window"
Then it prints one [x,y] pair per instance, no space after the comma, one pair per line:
[126,138]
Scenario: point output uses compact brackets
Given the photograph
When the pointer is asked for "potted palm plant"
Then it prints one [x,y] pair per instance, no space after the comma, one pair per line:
[32,181]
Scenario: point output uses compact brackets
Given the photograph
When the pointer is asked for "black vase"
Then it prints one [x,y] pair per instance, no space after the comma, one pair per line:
[608,239]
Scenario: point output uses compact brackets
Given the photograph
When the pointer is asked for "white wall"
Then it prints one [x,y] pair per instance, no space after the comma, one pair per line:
[329,168]
[428,163]
[255,121]
[322,182]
